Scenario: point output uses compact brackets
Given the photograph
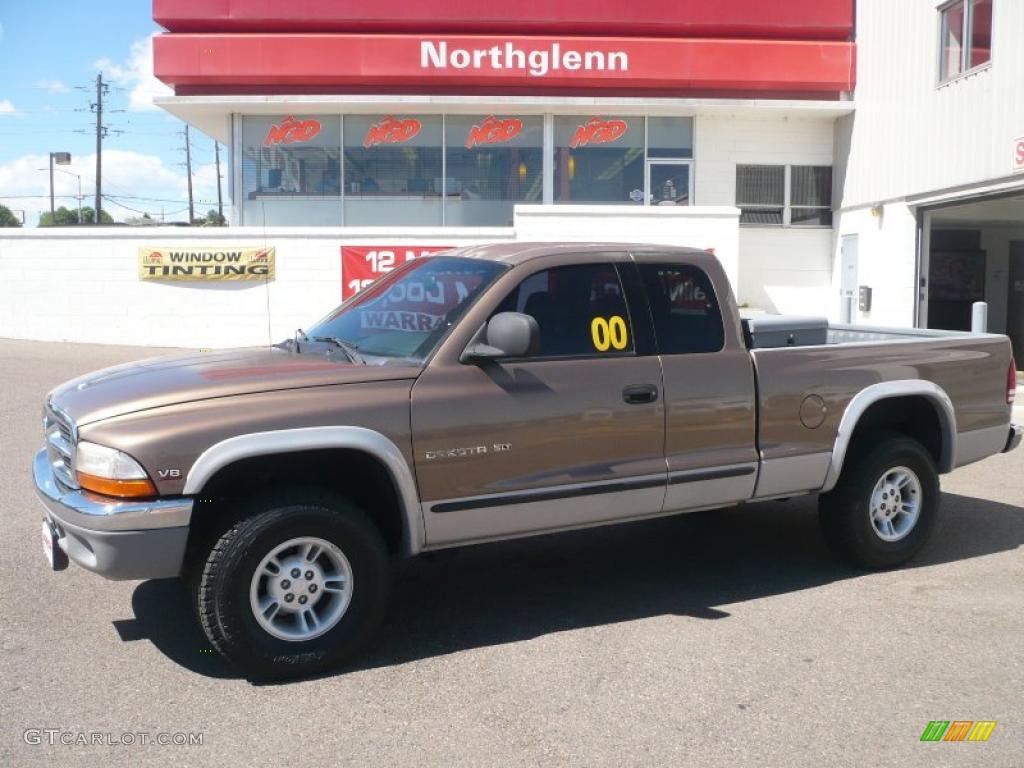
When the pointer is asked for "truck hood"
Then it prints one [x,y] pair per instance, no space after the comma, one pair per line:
[163,381]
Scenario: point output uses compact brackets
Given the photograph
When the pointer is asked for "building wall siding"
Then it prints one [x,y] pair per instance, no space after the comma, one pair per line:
[911,135]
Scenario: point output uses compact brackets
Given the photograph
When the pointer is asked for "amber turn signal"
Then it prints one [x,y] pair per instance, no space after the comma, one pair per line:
[123,489]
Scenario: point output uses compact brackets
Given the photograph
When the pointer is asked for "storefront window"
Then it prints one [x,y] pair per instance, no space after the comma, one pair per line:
[492,163]
[599,160]
[453,170]
[291,170]
[670,137]
[393,170]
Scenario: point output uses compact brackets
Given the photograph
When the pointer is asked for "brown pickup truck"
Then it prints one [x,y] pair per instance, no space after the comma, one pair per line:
[493,392]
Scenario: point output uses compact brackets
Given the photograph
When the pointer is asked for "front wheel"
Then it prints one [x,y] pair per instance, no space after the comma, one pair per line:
[884,507]
[294,588]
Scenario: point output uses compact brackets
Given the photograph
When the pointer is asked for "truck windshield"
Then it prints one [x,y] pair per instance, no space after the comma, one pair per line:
[407,312]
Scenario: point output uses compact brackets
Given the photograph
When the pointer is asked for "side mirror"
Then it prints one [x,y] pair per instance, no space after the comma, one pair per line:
[508,334]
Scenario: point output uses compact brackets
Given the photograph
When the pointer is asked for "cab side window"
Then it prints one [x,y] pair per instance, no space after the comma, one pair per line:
[687,318]
[581,310]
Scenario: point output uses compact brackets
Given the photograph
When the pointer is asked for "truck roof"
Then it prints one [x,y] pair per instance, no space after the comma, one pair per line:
[518,252]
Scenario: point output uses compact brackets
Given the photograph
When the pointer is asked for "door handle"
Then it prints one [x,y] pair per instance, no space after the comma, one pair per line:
[640,394]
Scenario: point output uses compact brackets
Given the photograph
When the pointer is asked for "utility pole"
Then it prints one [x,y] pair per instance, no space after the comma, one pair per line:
[188,171]
[98,107]
[220,199]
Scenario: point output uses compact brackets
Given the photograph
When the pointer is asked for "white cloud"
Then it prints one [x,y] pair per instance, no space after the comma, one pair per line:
[6,108]
[52,86]
[136,73]
[127,176]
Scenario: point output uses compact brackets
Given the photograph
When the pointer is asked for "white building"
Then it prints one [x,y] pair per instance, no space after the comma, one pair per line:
[418,115]
[929,183]
[819,146]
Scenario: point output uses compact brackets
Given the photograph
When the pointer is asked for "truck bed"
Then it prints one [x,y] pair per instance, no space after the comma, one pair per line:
[765,331]
[796,381]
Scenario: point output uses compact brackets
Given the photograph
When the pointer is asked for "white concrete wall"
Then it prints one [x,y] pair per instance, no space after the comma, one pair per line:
[82,284]
[781,269]
[786,270]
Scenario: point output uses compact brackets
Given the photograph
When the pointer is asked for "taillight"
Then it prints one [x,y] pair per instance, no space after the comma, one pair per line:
[1011,382]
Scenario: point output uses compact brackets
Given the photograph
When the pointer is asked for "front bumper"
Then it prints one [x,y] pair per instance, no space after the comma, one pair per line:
[1013,440]
[118,539]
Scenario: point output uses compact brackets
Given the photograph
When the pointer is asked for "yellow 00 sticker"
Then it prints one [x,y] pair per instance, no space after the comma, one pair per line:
[609,333]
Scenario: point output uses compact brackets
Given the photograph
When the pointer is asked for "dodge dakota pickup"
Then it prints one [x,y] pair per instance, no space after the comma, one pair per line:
[491,392]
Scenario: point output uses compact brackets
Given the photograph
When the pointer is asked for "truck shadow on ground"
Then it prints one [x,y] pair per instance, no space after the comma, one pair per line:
[688,565]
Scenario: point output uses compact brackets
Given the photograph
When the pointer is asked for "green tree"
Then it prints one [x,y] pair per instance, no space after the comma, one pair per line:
[63,217]
[7,217]
[145,220]
[212,219]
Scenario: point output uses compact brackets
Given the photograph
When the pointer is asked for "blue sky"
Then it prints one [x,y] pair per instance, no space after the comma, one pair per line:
[49,52]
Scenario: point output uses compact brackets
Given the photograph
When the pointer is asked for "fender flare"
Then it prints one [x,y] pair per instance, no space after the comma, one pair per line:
[220,455]
[888,390]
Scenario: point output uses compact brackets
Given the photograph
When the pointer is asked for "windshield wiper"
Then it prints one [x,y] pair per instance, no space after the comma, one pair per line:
[293,342]
[351,350]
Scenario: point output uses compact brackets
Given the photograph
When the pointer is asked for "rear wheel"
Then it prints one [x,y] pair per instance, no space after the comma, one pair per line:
[884,507]
[296,587]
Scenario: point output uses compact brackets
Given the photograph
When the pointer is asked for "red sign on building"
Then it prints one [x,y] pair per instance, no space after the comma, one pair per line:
[391,131]
[494,130]
[362,264]
[598,131]
[291,131]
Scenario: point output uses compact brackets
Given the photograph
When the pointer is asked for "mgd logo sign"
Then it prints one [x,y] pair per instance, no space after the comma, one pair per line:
[291,131]
[494,130]
[391,131]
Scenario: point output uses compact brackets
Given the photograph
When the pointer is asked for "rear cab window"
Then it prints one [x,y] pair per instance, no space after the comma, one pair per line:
[684,308]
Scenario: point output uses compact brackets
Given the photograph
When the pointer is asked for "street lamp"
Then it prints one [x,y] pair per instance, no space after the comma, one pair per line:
[61,158]
[53,217]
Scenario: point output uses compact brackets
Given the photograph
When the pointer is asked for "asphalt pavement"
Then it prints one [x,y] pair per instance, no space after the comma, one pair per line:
[726,638]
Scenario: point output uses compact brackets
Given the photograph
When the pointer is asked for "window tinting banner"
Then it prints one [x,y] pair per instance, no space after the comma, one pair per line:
[206,263]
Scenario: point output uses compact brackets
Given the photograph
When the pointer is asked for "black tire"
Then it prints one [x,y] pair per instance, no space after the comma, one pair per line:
[222,597]
[845,512]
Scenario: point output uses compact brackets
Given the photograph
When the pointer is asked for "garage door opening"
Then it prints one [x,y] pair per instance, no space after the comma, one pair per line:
[974,251]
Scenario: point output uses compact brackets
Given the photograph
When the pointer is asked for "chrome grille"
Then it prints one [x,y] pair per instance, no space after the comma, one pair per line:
[60,446]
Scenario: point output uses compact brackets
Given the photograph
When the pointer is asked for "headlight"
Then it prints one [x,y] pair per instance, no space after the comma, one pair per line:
[111,472]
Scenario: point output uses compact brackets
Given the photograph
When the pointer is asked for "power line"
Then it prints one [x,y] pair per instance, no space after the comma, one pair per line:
[34,197]
[111,199]
[148,199]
